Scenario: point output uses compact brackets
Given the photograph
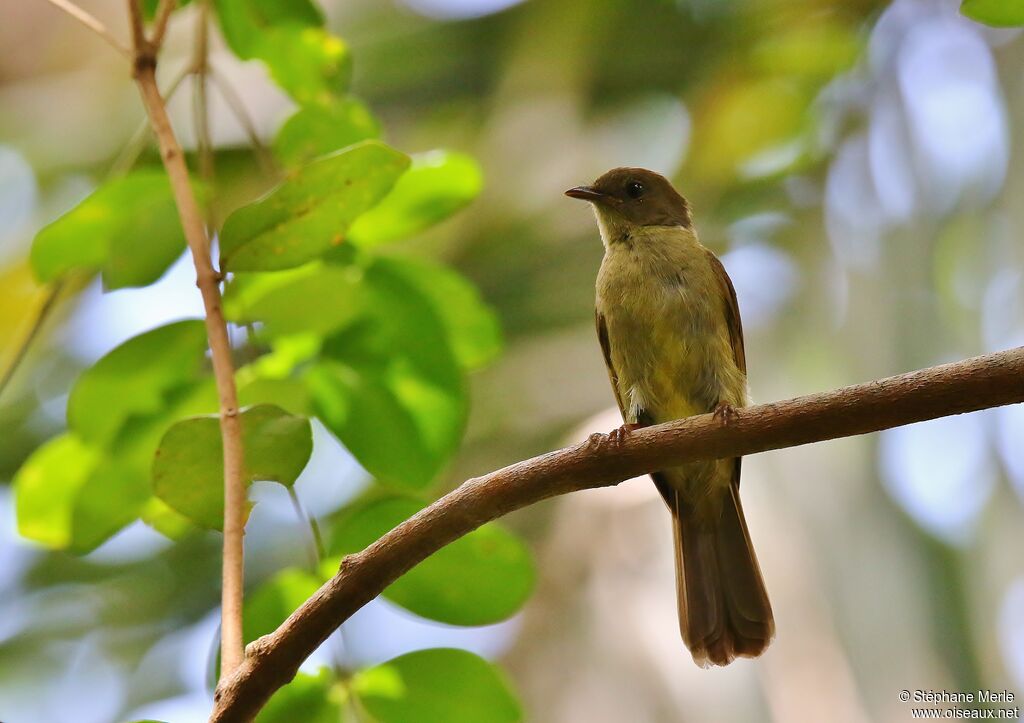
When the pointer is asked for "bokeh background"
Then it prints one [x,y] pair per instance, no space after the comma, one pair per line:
[856,165]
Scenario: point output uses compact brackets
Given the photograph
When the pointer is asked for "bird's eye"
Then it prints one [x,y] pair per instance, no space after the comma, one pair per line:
[634,189]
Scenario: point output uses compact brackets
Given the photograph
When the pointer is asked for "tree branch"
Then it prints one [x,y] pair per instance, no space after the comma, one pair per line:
[139,139]
[208,280]
[91,22]
[967,386]
[237,107]
[200,82]
[163,16]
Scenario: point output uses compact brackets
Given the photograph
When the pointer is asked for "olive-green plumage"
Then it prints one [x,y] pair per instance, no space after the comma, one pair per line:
[669,327]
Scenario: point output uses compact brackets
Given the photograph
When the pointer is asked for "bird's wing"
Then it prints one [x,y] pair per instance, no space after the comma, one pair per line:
[643,417]
[732,319]
[606,350]
[732,311]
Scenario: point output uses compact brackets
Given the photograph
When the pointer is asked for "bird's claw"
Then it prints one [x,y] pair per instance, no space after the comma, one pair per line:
[725,414]
[619,434]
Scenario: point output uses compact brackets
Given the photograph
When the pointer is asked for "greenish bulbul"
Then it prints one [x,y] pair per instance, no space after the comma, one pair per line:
[669,327]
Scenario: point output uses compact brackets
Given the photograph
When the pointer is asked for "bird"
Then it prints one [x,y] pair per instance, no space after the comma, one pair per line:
[669,327]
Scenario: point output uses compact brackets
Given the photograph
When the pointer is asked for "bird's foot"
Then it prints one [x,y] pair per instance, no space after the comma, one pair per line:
[619,435]
[725,414]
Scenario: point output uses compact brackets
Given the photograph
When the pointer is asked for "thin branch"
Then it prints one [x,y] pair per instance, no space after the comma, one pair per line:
[208,280]
[140,45]
[316,541]
[163,15]
[241,113]
[137,143]
[200,108]
[90,21]
[967,386]
[48,305]
[317,552]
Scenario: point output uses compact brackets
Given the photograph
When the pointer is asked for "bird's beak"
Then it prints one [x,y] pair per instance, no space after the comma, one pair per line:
[587,193]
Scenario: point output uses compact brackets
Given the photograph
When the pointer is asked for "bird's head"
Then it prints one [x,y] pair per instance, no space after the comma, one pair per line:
[625,199]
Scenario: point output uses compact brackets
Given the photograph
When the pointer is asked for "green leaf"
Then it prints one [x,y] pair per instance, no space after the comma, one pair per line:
[473,330]
[188,468]
[324,127]
[243,22]
[308,698]
[163,519]
[305,60]
[46,486]
[319,299]
[997,13]
[437,185]
[310,212]
[289,394]
[436,686]
[69,496]
[112,497]
[80,489]
[136,379]
[389,385]
[312,299]
[273,601]
[310,64]
[128,229]
[481,578]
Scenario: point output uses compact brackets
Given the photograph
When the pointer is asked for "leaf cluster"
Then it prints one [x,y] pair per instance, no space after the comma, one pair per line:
[343,325]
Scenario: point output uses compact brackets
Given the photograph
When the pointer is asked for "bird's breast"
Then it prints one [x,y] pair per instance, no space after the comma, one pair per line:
[667,332]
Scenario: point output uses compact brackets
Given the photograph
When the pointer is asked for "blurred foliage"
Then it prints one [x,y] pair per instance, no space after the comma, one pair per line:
[998,13]
[288,35]
[444,586]
[309,213]
[378,347]
[312,698]
[407,687]
[102,232]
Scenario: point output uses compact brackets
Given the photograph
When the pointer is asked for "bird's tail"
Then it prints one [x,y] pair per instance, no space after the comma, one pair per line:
[723,605]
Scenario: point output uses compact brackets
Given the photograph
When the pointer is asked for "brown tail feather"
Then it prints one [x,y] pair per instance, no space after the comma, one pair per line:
[723,606]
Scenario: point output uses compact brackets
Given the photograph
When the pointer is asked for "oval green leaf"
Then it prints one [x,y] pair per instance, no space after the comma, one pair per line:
[68,495]
[138,378]
[472,327]
[312,299]
[440,685]
[188,468]
[310,64]
[389,385]
[311,211]
[128,228]
[481,578]
[172,525]
[320,128]
[244,22]
[437,185]
[288,35]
